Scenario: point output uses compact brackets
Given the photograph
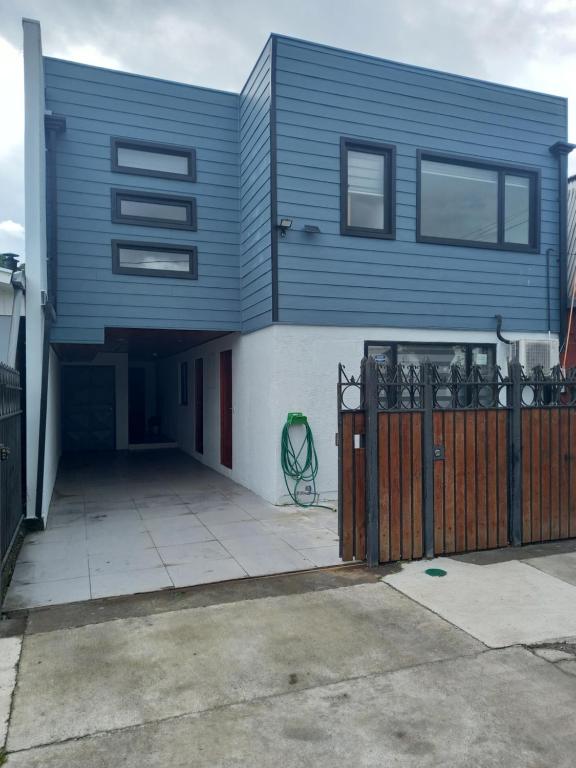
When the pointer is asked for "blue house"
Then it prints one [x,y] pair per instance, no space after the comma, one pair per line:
[199,261]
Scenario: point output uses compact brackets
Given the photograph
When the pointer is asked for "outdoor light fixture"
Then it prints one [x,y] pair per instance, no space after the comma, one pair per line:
[284,226]
[311,229]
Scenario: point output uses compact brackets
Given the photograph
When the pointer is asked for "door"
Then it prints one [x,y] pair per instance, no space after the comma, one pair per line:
[88,408]
[199,405]
[137,404]
[226,408]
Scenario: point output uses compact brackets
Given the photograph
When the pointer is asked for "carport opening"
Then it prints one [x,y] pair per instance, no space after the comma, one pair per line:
[122,395]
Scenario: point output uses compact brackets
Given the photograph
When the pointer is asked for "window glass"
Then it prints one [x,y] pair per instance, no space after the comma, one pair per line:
[366,190]
[383,355]
[458,202]
[143,258]
[154,210]
[145,159]
[442,355]
[517,209]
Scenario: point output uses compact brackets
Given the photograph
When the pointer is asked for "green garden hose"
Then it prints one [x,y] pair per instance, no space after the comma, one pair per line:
[300,466]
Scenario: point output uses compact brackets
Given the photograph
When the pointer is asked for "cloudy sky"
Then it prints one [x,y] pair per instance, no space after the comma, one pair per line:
[527,43]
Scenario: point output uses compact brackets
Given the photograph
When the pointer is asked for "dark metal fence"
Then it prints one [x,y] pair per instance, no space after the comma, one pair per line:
[443,461]
[11,505]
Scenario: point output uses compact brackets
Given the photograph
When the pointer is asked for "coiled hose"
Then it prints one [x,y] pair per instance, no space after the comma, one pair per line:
[300,466]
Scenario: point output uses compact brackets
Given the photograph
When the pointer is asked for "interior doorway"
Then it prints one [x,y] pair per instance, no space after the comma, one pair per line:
[137,404]
[226,408]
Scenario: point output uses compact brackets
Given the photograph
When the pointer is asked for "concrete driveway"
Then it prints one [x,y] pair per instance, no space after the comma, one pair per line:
[323,668]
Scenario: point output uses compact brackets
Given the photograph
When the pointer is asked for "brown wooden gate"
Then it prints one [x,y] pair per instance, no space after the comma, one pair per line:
[440,463]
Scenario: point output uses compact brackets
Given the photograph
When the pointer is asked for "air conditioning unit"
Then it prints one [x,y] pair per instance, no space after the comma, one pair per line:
[531,353]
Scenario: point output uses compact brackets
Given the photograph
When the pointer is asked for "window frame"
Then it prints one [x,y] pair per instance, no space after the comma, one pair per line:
[191,250]
[117,142]
[117,195]
[468,347]
[388,151]
[503,170]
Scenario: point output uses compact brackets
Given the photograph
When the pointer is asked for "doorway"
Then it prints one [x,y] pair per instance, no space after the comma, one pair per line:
[137,404]
[88,408]
[226,408]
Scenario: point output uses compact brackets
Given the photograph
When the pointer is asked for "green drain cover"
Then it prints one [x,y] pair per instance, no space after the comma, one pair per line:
[435,572]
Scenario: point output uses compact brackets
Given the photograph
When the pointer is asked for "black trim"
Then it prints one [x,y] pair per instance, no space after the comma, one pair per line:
[388,151]
[273,185]
[503,169]
[157,147]
[191,250]
[189,203]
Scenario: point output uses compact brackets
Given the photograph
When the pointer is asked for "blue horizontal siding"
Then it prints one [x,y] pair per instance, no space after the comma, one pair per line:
[98,104]
[323,94]
[255,231]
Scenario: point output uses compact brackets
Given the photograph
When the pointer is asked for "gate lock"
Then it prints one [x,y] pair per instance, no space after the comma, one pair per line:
[437,452]
[4,452]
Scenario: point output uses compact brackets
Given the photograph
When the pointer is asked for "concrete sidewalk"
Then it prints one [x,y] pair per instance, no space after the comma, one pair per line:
[319,669]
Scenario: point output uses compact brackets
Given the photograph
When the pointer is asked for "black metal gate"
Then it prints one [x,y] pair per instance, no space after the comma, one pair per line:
[11,506]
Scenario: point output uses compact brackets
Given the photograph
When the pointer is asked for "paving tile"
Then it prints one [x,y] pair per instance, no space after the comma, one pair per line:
[48,551]
[10,648]
[160,513]
[185,535]
[94,507]
[205,572]
[221,513]
[65,534]
[129,582]
[122,541]
[176,523]
[253,543]
[118,561]
[279,560]
[322,556]
[203,497]
[195,552]
[155,502]
[236,529]
[47,593]
[304,539]
[72,567]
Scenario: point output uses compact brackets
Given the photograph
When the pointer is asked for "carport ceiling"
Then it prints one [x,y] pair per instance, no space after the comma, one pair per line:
[138,343]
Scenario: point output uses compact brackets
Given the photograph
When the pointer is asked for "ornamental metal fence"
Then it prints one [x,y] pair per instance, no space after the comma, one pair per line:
[440,461]
[11,502]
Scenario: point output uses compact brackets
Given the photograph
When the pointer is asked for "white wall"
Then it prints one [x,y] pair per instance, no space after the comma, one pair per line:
[35,224]
[277,370]
[53,433]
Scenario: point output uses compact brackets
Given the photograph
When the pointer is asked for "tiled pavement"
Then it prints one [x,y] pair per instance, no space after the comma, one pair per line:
[128,523]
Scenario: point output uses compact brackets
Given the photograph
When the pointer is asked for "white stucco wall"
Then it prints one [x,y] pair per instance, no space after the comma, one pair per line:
[53,434]
[276,370]
[35,224]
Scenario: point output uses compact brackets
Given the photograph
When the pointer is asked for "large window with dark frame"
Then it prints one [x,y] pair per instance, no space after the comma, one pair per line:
[153,209]
[463,202]
[150,158]
[160,259]
[443,356]
[367,189]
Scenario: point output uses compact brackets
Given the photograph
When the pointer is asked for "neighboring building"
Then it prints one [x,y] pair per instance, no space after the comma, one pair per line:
[206,259]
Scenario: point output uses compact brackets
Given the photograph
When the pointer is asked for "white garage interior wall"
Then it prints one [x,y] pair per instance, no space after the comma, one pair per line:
[277,370]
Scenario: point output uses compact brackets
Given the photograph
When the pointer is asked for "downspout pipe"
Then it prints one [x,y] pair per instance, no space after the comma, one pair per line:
[499,336]
[561,150]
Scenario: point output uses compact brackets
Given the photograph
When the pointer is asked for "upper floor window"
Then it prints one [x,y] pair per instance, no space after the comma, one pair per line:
[480,204]
[153,210]
[367,205]
[148,158]
[160,259]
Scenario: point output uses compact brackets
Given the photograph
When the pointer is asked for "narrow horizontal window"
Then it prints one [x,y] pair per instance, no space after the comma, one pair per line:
[367,189]
[136,258]
[477,204]
[153,210]
[147,158]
